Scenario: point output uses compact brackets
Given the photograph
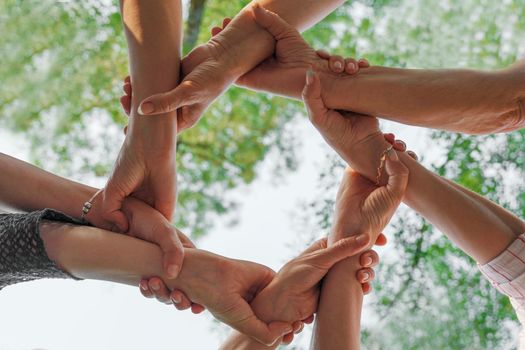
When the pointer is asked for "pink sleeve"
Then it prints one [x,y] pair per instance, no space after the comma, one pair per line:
[506,272]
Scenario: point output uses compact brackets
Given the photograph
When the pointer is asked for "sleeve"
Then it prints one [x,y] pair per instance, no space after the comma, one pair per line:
[506,272]
[22,253]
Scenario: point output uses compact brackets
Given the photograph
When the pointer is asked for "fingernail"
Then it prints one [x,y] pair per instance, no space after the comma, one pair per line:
[309,76]
[368,261]
[402,142]
[176,299]
[155,287]
[366,276]
[392,155]
[351,66]
[361,239]
[338,65]
[173,270]
[143,285]
[146,108]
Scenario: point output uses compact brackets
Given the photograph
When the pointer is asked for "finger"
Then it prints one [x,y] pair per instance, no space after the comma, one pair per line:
[250,325]
[413,155]
[367,288]
[167,239]
[125,102]
[309,319]
[215,31]
[323,54]
[390,138]
[312,99]
[225,22]
[112,204]
[127,89]
[397,176]
[186,242]
[298,327]
[144,289]
[274,24]
[336,64]
[287,339]
[159,290]
[369,259]
[363,63]
[400,145]
[184,94]
[180,300]
[340,250]
[365,275]
[351,66]
[197,308]
[381,240]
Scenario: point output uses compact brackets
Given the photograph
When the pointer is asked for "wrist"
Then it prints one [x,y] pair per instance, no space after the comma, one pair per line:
[365,156]
[235,45]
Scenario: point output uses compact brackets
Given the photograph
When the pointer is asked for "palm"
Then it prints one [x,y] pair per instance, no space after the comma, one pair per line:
[345,130]
[371,206]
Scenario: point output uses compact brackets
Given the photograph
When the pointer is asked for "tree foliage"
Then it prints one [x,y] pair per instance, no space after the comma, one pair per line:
[61,71]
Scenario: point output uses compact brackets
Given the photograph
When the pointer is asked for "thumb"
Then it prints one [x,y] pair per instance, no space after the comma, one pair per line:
[397,176]
[340,250]
[169,101]
[315,106]
[112,209]
[271,21]
[169,242]
[252,326]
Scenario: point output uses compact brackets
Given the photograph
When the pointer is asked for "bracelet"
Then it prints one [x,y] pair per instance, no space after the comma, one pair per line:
[88,205]
[382,164]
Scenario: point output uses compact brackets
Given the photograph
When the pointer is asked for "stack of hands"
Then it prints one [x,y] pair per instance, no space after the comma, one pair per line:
[252,298]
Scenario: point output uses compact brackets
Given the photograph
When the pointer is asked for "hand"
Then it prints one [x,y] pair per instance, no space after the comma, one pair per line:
[283,73]
[343,131]
[226,287]
[364,208]
[293,294]
[208,71]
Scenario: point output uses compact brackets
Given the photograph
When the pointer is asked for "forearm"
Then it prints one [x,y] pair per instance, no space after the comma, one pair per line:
[460,100]
[92,253]
[243,31]
[153,33]
[28,188]
[338,321]
[479,227]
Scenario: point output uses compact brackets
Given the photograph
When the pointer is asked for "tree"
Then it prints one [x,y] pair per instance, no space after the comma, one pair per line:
[61,71]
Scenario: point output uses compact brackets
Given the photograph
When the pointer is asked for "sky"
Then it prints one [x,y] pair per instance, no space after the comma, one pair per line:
[65,315]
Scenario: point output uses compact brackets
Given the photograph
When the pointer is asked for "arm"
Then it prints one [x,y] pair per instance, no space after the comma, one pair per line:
[218,283]
[471,101]
[210,68]
[338,323]
[146,163]
[462,100]
[480,228]
[27,188]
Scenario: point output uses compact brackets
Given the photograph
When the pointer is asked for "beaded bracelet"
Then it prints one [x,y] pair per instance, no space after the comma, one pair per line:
[382,164]
[88,205]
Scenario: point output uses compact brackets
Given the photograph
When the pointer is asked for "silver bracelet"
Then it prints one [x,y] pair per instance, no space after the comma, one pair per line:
[88,205]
